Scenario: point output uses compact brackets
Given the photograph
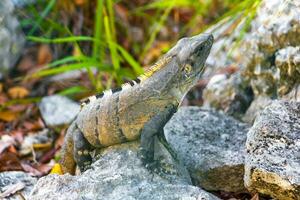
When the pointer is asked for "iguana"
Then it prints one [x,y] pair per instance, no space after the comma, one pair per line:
[139,109]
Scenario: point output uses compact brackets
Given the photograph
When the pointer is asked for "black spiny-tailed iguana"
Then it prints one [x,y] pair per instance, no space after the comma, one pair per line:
[139,108]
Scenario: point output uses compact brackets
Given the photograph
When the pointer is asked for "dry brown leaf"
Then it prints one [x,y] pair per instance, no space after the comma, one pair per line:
[33,126]
[155,51]
[45,168]
[26,64]
[5,142]
[44,55]
[3,98]
[31,170]
[17,107]
[18,92]
[9,162]
[122,11]
[1,87]
[79,2]
[8,116]
[18,135]
[48,156]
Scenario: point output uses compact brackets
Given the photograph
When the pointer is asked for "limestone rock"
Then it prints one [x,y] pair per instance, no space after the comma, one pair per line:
[15,181]
[11,37]
[272,164]
[257,105]
[22,3]
[223,44]
[274,32]
[288,62]
[58,110]
[227,93]
[117,174]
[211,146]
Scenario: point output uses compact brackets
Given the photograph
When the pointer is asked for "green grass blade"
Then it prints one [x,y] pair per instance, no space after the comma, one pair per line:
[133,63]
[98,51]
[156,30]
[112,48]
[73,90]
[20,101]
[234,12]
[164,4]
[63,40]
[67,60]
[43,15]
[69,67]
[112,18]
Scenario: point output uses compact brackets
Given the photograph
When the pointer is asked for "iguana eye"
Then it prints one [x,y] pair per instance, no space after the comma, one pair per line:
[187,68]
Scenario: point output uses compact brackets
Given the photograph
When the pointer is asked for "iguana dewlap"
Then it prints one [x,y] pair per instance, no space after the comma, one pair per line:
[139,109]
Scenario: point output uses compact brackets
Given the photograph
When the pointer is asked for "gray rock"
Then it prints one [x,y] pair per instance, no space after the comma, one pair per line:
[266,48]
[58,110]
[293,95]
[257,105]
[272,163]
[267,56]
[10,181]
[288,63]
[211,146]
[227,93]
[224,44]
[22,3]
[11,37]
[117,174]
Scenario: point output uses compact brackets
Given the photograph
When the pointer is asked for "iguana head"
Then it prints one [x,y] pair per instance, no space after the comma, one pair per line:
[183,66]
[174,74]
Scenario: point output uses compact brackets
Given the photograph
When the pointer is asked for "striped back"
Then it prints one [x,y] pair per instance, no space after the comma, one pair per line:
[148,73]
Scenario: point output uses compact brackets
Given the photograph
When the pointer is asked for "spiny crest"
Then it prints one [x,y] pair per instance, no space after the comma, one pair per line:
[157,66]
[148,73]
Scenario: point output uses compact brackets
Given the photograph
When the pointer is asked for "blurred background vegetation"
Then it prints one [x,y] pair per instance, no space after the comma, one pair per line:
[110,40]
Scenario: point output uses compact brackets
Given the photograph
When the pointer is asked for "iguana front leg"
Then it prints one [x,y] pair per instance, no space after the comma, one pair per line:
[82,151]
[153,127]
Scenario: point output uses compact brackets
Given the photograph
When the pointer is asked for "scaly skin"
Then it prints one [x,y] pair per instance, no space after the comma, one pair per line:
[139,109]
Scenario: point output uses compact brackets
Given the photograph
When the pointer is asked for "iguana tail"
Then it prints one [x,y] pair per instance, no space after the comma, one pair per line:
[67,161]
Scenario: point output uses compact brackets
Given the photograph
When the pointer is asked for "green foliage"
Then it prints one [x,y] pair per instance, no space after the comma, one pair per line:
[107,56]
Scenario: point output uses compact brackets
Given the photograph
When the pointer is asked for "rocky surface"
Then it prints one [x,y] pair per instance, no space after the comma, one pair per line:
[225,41]
[272,164]
[15,184]
[58,110]
[117,174]
[211,145]
[257,105]
[11,37]
[271,46]
[267,56]
[227,93]
[287,60]
[21,3]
